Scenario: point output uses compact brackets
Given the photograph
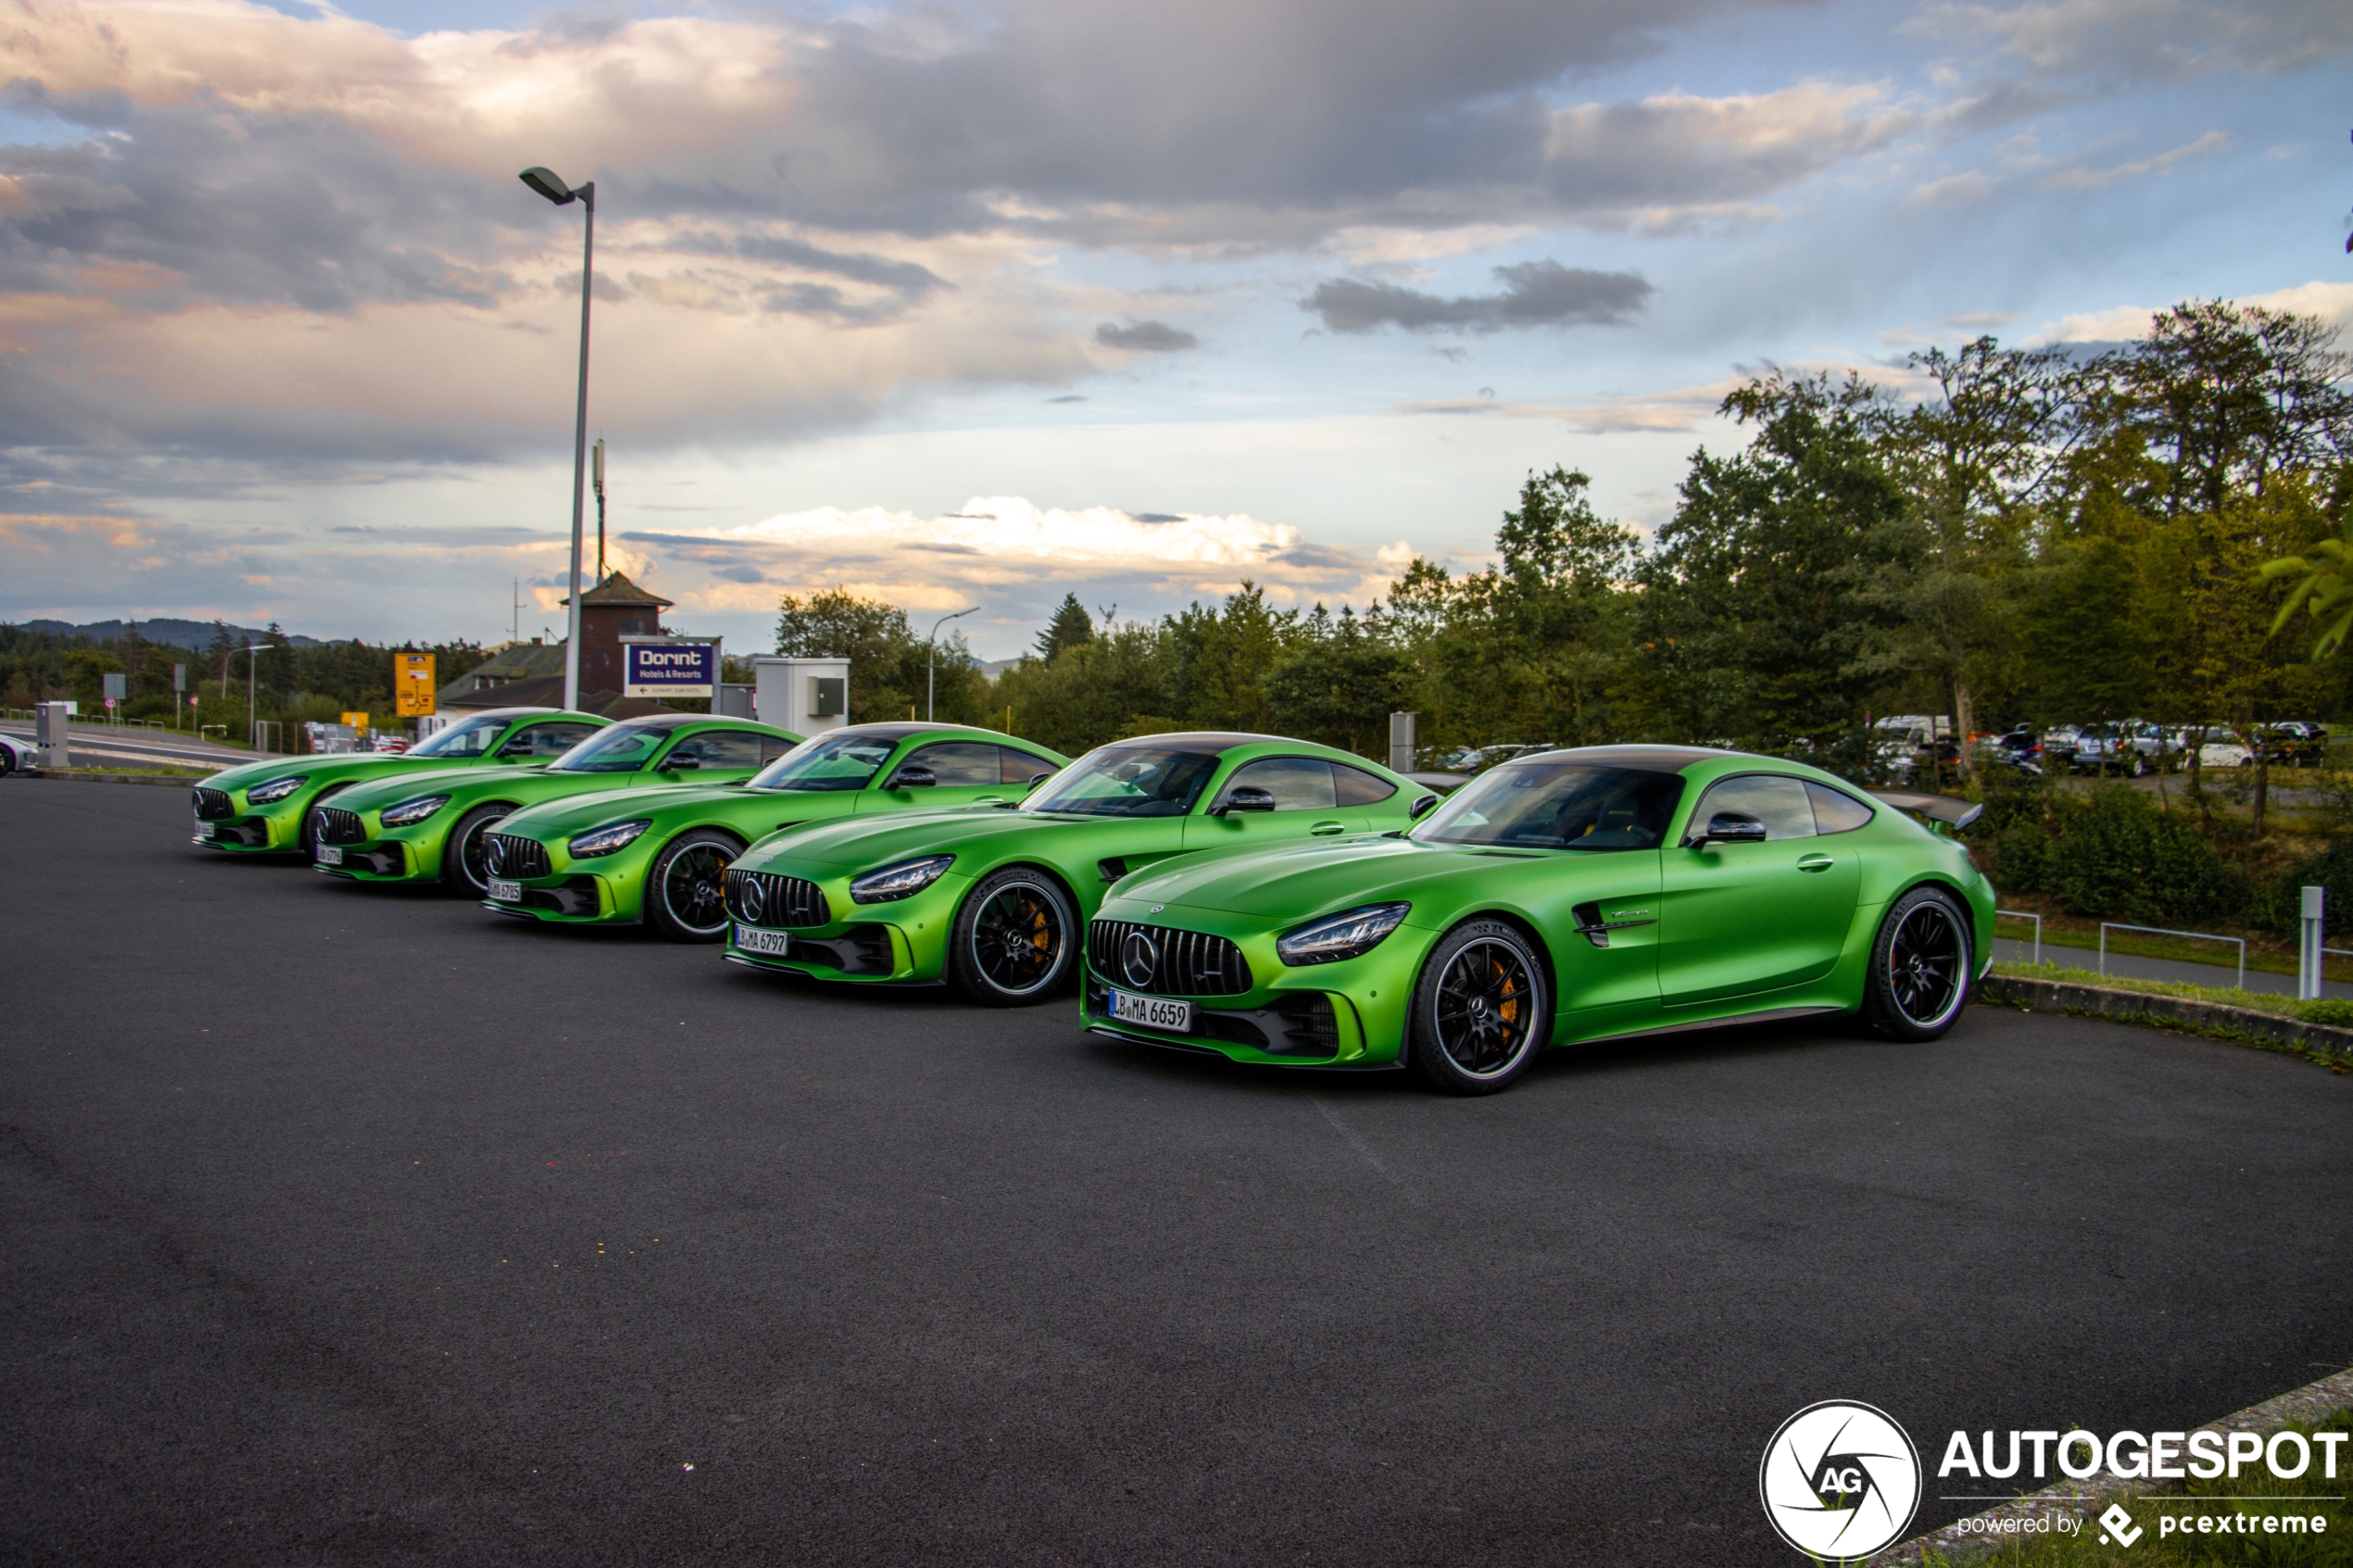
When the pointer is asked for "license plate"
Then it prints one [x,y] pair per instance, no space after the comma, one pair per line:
[752,939]
[503,892]
[330,854]
[1152,1012]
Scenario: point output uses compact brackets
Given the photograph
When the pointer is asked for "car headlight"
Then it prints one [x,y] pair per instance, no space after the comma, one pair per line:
[604,841]
[411,811]
[903,880]
[275,790]
[1338,936]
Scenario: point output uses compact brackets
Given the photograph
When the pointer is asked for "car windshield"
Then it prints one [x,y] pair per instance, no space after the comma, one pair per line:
[827,762]
[1128,781]
[624,748]
[1557,806]
[473,738]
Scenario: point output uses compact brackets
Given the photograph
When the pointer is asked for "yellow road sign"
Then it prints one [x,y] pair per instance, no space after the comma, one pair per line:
[413,684]
[357,720]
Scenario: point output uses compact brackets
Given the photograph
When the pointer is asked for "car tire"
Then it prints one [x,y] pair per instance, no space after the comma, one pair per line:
[306,840]
[687,887]
[1481,1010]
[462,872]
[1015,939]
[1922,967]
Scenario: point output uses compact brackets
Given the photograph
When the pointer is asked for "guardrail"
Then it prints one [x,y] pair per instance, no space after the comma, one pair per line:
[2108,925]
[2021,914]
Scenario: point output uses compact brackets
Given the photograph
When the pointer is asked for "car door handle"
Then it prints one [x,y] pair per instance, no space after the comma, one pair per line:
[1326,829]
[1815,863]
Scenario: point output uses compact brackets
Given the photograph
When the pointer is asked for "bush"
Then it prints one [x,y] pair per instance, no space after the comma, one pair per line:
[2116,857]
[2277,905]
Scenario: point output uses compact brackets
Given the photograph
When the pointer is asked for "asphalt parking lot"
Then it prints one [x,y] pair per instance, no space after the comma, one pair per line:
[349,1226]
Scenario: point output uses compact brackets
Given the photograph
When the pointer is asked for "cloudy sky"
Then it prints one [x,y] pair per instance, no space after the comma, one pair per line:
[986,302]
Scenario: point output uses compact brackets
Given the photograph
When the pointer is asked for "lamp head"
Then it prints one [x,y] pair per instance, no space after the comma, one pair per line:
[550,184]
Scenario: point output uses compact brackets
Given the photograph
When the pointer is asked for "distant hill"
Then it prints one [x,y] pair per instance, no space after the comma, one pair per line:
[195,635]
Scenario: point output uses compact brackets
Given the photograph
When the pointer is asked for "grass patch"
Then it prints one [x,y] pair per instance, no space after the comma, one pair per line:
[2265,955]
[2336,1011]
[127,772]
[2328,1544]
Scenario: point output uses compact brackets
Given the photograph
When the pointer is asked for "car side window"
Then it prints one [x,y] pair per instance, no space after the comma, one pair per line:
[1835,811]
[1353,786]
[717,748]
[1779,803]
[1019,767]
[1298,783]
[547,740]
[959,763]
[772,747]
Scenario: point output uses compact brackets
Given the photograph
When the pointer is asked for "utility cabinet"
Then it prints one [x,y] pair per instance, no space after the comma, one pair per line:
[806,696]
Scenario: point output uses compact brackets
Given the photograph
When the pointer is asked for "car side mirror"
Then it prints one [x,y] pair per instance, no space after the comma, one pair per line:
[1731,827]
[912,776]
[1037,779]
[1421,807]
[1248,797]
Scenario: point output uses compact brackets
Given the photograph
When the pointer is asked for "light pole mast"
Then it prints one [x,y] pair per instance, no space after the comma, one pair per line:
[931,648]
[547,184]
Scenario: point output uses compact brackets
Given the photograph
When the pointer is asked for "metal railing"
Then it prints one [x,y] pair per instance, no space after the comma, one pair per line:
[2108,925]
[2021,914]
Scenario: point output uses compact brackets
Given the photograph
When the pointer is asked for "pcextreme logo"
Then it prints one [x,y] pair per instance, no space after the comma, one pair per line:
[1840,1480]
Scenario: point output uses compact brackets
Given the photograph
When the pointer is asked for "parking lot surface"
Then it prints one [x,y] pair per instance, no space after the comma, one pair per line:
[351,1225]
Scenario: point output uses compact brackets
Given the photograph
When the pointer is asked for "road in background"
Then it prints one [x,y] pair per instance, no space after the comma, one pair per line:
[104,745]
[347,1225]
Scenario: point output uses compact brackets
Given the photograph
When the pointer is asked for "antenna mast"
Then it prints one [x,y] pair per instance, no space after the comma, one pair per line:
[600,508]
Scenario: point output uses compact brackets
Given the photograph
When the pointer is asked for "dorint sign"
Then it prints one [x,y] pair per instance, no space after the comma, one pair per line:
[661,669]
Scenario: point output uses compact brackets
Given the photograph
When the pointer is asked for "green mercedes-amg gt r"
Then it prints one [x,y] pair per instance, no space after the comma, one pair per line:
[660,855]
[993,900]
[429,826]
[1572,895]
[264,808]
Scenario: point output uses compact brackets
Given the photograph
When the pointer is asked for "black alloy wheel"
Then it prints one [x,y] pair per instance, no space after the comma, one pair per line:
[1014,938]
[1920,970]
[1480,1012]
[465,867]
[687,890]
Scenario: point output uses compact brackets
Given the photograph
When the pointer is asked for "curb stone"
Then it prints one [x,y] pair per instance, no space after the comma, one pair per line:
[77,776]
[2322,1041]
[2082,1499]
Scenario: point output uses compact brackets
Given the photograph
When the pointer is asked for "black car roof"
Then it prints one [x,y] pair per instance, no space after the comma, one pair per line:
[899,729]
[1207,740]
[1656,759]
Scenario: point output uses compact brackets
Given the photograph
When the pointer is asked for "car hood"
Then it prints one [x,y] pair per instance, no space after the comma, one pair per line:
[860,841]
[1300,880]
[560,818]
[410,783]
[246,775]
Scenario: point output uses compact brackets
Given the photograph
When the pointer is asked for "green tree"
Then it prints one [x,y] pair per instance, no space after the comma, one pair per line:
[1070,628]
[887,662]
[1341,684]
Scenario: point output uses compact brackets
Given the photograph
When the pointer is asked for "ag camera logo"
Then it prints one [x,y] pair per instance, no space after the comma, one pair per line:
[1840,1480]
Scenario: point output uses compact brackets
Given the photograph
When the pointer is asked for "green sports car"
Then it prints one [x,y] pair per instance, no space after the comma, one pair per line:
[264,808]
[1573,896]
[993,900]
[660,855]
[429,826]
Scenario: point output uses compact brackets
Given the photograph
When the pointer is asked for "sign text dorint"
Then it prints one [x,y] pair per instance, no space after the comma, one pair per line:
[659,668]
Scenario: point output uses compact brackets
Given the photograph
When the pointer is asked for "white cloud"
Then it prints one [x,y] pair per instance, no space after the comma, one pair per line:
[2163,163]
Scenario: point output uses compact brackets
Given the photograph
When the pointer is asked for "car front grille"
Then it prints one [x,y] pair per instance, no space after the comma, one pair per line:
[1185,963]
[339,826]
[762,898]
[212,804]
[507,855]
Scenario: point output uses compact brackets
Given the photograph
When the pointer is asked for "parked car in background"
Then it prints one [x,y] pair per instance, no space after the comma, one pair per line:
[1471,759]
[16,752]
[661,854]
[2059,746]
[389,743]
[267,807]
[2297,744]
[429,824]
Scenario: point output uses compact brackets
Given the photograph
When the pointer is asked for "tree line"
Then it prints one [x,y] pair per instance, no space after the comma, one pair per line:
[2034,536]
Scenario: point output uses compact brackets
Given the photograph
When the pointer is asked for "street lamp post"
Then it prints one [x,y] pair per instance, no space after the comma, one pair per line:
[253,652]
[931,648]
[547,184]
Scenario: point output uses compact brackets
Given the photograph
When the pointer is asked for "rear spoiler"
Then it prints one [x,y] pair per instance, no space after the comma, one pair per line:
[1954,814]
